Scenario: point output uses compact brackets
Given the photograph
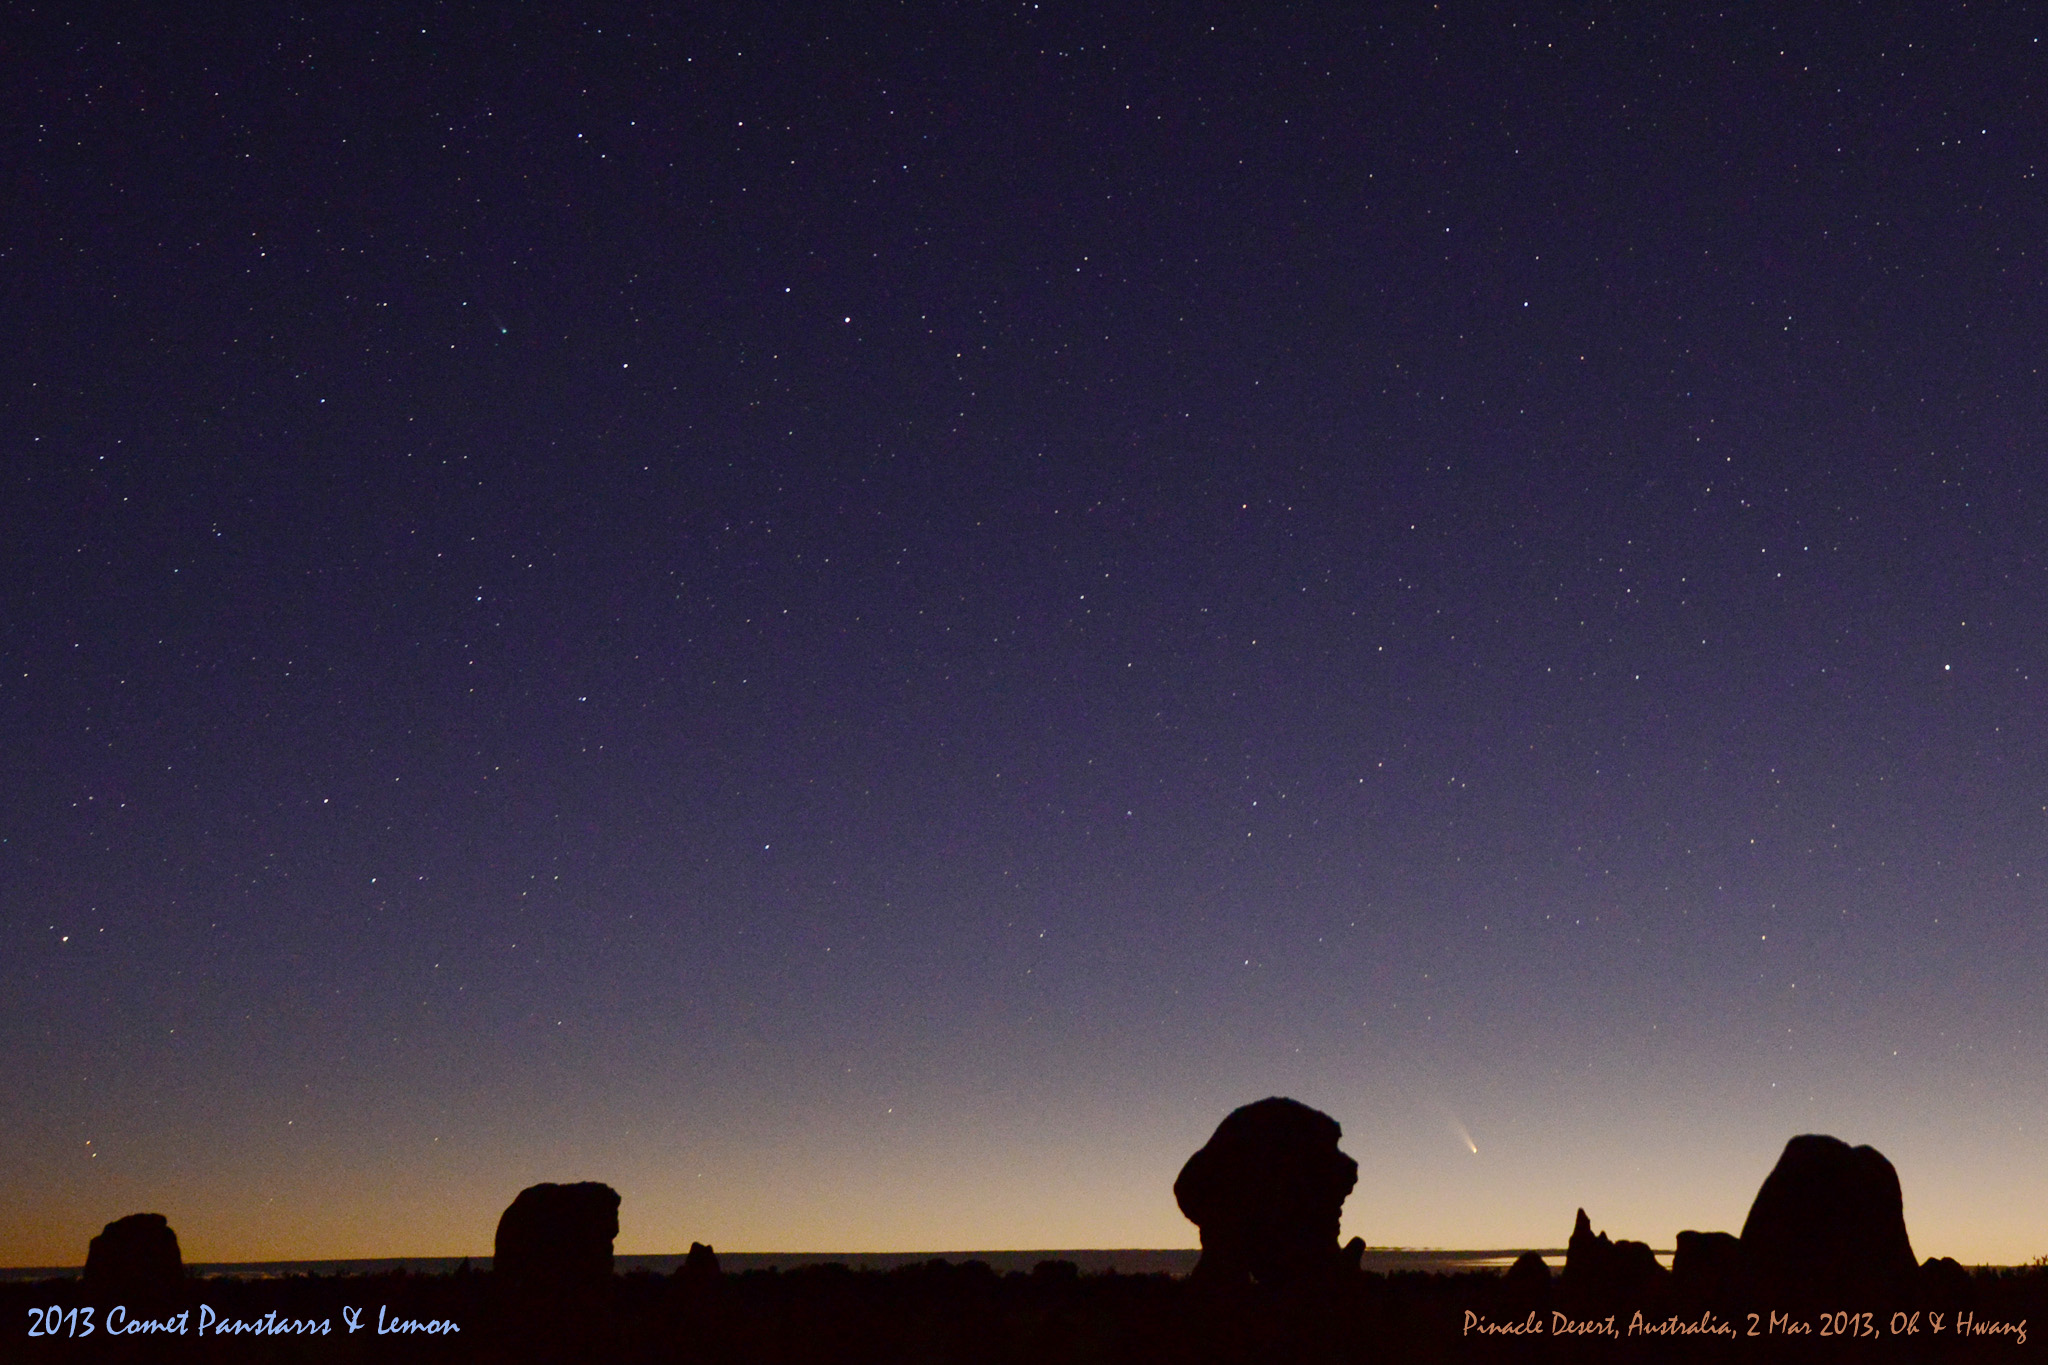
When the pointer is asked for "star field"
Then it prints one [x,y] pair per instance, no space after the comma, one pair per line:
[859,623]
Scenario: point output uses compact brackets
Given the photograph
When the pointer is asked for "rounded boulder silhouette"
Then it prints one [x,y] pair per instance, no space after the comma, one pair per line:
[135,1258]
[1829,1217]
[557,1238]
[1267,1191]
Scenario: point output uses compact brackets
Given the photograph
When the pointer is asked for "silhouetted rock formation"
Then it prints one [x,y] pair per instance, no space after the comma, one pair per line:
[1526,1287]
[1944,1283]
[1267,1191]
[1599,1270]
[1708,1265]
[1829,1219]
[135,1259]
[1529,1274]
[557,1238]
[701,1263]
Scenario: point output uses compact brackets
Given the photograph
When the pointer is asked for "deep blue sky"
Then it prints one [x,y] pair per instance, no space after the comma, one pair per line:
[860,622]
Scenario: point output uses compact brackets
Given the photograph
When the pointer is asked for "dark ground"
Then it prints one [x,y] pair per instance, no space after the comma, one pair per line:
[966,1312]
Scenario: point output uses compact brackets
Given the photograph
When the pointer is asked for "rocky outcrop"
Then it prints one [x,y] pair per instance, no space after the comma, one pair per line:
[1945,1284]
[1267,1191]
[1598,1270]
[1708,1266]
[557,1239]
[135,1259]
[1529,1272]
[1829,1219]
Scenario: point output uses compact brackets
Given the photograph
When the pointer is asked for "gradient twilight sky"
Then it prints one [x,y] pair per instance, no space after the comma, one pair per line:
[859,621]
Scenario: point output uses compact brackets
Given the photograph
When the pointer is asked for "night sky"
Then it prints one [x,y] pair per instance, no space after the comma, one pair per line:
[859,621]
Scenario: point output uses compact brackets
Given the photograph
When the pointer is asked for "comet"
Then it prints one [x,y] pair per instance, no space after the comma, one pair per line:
[1464,1136]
